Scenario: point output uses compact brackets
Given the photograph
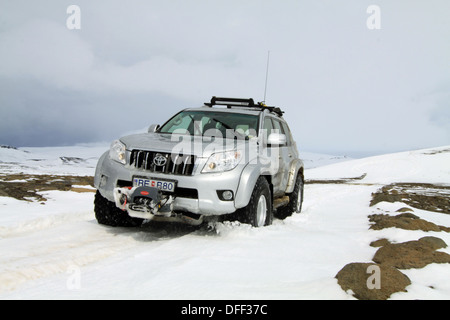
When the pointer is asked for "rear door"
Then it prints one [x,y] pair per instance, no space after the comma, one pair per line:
[276,157]
[284,156]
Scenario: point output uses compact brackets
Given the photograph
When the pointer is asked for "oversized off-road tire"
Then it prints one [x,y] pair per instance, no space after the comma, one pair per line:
[295,199]
[259,211]
[108,214]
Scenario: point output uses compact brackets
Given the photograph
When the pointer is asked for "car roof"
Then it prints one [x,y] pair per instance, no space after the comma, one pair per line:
[240,110]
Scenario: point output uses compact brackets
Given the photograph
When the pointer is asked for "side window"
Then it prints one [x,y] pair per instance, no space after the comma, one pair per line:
[277,126]
[281,127]
[267,127]
[287,132]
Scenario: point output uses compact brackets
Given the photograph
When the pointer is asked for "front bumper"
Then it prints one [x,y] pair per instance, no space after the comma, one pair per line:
[203,189]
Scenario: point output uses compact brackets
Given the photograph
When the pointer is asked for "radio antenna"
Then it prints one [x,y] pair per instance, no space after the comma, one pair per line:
[267,75]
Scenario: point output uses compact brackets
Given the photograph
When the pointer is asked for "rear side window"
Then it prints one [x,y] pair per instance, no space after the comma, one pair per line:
[287,132]
[277,126]
[283,128]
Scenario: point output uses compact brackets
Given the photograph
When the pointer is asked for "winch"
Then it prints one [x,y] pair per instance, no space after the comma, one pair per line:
[143,202]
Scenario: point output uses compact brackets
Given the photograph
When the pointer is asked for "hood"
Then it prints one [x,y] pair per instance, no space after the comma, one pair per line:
[185,144]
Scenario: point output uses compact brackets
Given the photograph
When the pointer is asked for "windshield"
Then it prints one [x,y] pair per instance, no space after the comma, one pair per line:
[210,123]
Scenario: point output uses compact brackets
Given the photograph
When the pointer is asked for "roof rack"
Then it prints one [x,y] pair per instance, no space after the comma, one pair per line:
[239,102]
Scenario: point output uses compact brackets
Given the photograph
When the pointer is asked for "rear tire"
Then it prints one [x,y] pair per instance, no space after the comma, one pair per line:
[108,214]
[259,211]
[295,199]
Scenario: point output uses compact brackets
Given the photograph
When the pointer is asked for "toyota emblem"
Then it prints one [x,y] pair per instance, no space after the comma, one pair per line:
[159,160]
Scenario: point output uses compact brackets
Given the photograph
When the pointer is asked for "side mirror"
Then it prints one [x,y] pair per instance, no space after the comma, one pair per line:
[276,139]
[153,128]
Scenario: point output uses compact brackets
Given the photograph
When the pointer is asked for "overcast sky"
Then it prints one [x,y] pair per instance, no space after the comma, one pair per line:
[346,88]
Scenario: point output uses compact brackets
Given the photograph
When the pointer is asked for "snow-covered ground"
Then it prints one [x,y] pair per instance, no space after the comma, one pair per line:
[57,250]
[77,160]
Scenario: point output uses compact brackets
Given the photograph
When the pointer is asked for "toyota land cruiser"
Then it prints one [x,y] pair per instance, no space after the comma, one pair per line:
[230,157]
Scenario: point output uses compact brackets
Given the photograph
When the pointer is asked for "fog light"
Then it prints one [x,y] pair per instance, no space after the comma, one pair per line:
[227,195]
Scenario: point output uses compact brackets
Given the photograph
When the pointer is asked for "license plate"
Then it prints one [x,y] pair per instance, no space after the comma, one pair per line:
[163,185]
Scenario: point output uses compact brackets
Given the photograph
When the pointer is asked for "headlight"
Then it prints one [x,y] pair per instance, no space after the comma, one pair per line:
[222,161]
[117,152]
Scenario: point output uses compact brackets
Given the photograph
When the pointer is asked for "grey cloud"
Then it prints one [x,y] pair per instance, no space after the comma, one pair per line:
[344,88]
[44,116]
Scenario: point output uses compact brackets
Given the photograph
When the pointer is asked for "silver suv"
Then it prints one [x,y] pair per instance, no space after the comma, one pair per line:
[231,158]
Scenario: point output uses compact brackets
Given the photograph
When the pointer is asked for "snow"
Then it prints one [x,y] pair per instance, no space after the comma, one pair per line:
[57,250]
[424,166]
[314,160]
[52,160]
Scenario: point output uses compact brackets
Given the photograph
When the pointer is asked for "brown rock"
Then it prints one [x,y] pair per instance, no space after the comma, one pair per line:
[363,281]
[379,243]
[407,221]
[412,254]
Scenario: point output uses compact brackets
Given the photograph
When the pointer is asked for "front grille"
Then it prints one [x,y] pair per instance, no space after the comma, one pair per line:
[154,161]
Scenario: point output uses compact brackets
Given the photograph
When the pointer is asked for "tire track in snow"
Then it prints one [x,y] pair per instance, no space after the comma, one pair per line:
[42,223]
[54,248]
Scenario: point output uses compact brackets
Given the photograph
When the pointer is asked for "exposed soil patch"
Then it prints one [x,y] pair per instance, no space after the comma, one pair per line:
[423,196]
[27,187]
[432,152]
[336,181]
[412,254]
[407,221]
[356,277]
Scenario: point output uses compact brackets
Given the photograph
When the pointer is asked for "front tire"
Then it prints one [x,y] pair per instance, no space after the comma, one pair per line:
[108,214]
[259,212]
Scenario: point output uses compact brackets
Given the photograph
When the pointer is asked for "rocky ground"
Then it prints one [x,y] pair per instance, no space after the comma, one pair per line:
[391,258]
[425,196]
[27,186]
